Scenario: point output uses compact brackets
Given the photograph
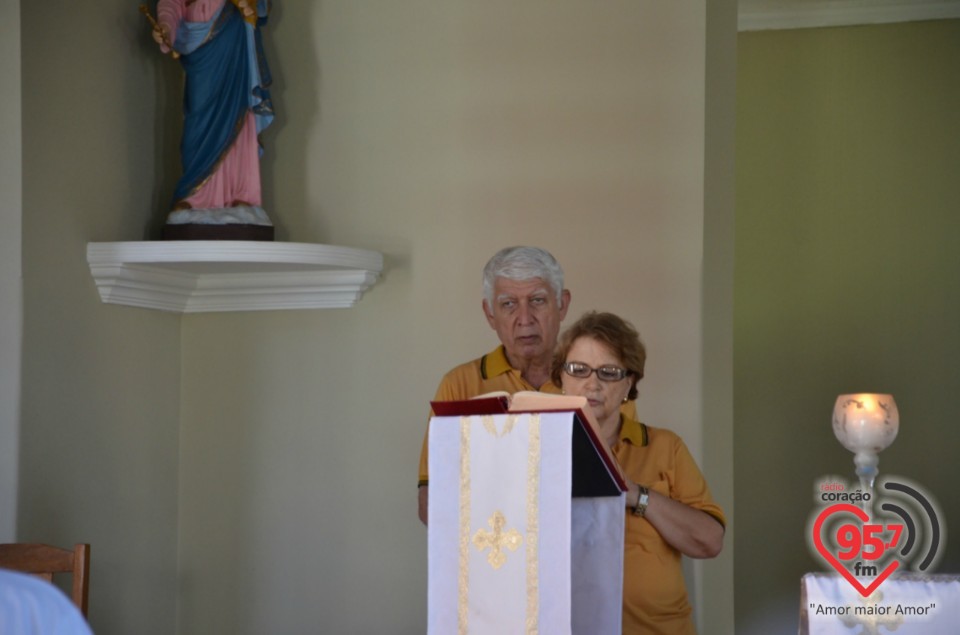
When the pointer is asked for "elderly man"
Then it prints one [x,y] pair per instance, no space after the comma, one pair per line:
[524,302]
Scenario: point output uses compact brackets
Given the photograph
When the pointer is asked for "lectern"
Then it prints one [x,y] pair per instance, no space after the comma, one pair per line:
[526,522]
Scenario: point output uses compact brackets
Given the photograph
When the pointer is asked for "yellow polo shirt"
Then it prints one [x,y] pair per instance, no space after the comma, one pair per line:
[654,593]
[487,374]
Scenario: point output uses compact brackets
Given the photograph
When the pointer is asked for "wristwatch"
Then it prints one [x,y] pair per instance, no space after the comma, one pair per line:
[640,509]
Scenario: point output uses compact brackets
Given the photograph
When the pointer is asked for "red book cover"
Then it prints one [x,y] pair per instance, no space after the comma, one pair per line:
[495,404]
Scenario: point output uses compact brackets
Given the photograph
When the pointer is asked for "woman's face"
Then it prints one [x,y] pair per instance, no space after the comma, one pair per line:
[603,397]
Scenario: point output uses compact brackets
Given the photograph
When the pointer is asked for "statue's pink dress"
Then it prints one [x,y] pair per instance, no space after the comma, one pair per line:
[236,180]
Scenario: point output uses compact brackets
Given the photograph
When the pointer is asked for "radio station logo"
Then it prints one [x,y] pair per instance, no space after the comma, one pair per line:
[867,536]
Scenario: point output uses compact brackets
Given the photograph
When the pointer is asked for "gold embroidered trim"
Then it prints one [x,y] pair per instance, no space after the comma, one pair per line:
[533,526]
[491,426]
[464,579]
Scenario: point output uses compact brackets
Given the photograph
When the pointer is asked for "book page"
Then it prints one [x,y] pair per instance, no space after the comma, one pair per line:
[495,393]
[532,400]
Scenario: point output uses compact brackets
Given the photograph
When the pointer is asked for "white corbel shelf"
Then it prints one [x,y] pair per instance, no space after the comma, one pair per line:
[196,276]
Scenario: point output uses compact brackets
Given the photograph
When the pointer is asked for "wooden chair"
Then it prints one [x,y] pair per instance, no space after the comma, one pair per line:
[45,560]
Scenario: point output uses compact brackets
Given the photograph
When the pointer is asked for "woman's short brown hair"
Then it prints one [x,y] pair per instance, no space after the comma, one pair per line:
[611,330]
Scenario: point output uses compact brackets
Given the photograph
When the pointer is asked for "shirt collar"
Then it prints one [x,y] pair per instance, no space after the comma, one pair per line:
[634,432]
[495,363]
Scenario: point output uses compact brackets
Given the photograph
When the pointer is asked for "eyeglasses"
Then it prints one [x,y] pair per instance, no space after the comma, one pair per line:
[604,373]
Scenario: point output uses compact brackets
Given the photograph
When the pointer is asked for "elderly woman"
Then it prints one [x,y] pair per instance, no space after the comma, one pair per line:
[669,508]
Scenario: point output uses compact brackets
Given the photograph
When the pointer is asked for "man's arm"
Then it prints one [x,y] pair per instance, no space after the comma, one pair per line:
[423,493]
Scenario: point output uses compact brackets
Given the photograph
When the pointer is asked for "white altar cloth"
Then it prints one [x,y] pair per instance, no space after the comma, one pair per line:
[906,604]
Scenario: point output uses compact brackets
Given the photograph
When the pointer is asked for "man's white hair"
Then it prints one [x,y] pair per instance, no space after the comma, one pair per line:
[523,263]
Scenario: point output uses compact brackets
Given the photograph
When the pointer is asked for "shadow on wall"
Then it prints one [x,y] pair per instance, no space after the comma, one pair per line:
[297,107]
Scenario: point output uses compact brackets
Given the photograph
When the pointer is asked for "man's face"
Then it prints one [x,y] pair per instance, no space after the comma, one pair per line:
[526,317]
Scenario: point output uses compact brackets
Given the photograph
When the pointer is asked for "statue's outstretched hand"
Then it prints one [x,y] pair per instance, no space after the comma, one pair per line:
[246,7]
[160,32]
[161,35]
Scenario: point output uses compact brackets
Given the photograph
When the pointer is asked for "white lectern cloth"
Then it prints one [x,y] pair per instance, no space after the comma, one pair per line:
[499,524]
[596,553]
[909,604]
[509,552]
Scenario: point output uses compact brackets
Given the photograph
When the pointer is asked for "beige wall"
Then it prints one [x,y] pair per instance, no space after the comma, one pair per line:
[717,597]
[435,133]
[848,143]
[273,454]
[11,290]
[100,384]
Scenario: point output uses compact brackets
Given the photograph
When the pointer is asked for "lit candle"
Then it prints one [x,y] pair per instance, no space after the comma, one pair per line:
[866,424]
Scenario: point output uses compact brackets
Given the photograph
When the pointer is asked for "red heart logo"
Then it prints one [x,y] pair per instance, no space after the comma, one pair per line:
[829,557]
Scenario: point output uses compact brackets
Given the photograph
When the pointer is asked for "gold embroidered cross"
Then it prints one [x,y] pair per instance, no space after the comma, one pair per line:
[872,616]
[497,539]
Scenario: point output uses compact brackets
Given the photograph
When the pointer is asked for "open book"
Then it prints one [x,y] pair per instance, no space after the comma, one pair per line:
[595,469]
